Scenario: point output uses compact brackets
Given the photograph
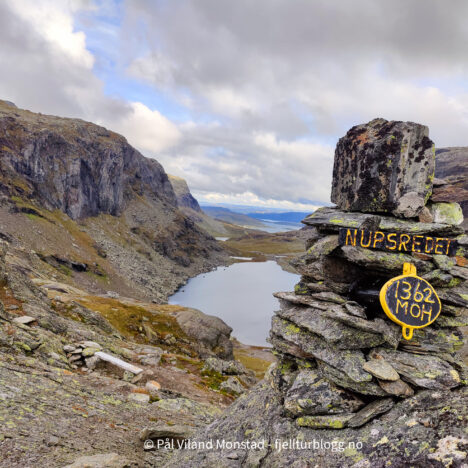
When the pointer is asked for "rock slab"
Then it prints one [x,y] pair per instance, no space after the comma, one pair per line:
[384,167]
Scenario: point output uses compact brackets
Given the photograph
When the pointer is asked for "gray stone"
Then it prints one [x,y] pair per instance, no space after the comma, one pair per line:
[334,332]
[341,379]
[24,320]
[384,166]
[457,297]
[139,397]
[446,213]
[161,431]
[323,247]
[397,388]
[329,297]
[317,287]
[438,278]
[390,331]
[443,262]
[311,394]
[232,385]
[210,331]
[332,219]
[459,272]
[338,421]
[347,361]
[355,309]
[88,352]
[431,340]
[380,261]
[370,411]
[101,460]
[452,177]
[420,370]
[381,369]
[90,344]
[91,362]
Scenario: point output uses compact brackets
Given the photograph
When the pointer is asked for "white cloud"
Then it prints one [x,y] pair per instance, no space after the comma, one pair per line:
[249,198]
[147,130]
[269,87]
[47,68]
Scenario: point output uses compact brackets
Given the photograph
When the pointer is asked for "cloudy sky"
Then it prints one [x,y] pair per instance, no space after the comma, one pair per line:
[244,99]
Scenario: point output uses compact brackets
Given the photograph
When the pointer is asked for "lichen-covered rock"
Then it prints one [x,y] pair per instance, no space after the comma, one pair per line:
[334,332]
[384,166]
[348,361]
[382,261]
[332,219]
[446,213]
[313,395]
[101,460]
[211,332]
[232,385]
[397,388]
[381,369]
[338,421]
[451,177]
[370,411]
[420,370]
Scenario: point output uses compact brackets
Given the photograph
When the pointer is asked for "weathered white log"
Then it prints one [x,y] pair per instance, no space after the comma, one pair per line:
[118,362]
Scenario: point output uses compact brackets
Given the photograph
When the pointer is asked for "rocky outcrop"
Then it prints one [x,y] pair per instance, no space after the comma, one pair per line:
[344,371]
[212,334]
[121,228]
[184,197]
[451,178]
[75,166]
[384,167]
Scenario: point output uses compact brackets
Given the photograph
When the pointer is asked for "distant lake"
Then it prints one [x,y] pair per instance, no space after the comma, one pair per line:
[279,226]
[241,295]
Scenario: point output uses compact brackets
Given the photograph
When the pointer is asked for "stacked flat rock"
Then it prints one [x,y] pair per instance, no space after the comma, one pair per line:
[341,360]
[345,375]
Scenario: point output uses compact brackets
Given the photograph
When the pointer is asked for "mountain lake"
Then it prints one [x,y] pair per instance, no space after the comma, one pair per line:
[241,294]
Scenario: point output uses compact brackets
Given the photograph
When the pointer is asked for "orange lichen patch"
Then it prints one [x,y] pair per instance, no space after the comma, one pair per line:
[67,372]
[140,390]
[79,409]
[421,256]
[461,261]
[8,299]
[363,138]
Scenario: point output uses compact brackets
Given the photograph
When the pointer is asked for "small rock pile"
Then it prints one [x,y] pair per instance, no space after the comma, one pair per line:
[342,362]
[81,354]
[89,355]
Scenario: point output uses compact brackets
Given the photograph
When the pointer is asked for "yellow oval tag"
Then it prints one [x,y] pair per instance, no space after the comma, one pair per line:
[410,301]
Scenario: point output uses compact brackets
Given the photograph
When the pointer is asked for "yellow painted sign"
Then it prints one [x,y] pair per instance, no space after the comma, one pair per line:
[397,242]
[410,301]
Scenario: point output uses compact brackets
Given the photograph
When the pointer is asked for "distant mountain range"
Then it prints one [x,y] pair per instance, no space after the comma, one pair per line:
[224,214]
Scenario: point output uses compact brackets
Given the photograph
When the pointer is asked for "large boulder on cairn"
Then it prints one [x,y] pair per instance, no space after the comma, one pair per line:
[384,167]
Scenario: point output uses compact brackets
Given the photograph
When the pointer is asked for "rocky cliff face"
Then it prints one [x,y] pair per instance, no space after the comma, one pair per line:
[184,198]
[345,375]
[74,166]
[94,208]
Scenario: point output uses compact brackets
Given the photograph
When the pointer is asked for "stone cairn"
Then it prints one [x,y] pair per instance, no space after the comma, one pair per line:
[341,361]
